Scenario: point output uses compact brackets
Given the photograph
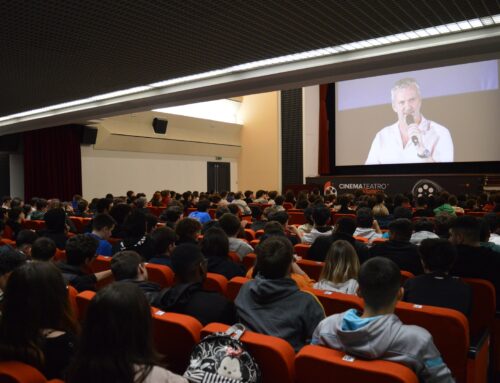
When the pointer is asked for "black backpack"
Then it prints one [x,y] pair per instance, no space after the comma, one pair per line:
[222,358]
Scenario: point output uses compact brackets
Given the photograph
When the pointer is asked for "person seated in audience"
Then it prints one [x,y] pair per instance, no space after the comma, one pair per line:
[307,227]
[442,224]
[436,287]
[41,207]
[140,204]
[187,296]
[171,215]
[43,250]
[261,217]
[231,226]
[127,266]
[423,229]
[6,200]
[37,325]
[278,203]
[108,350]
[14,221]
[290,197]
[344,202]
[215,248]
[341,269]
[151,223]
[164,239]
[290,231]
[377,333]
[422,208]
[272,303]
[136,238]
[381,213]
[102,228]
[201,213]
[249,196]
[261,197]
[82,209]
[119,212]
[156,199]
[320,216]
[25,240]
[80,252]
[443,205]
[214,223]
[55,227]
[453,201]
[242,205]
[188,230]
[10,259]
[366,226]
[473,260]
[343,230]
[485,234]
[493,221]
[398,248]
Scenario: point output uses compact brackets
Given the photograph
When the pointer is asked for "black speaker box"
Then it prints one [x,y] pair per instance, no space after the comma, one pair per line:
[160,126]
[89,135]
[10,142]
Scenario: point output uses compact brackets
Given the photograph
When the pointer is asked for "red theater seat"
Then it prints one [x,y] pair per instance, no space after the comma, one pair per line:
[216,282]
[18,372]
[161,274]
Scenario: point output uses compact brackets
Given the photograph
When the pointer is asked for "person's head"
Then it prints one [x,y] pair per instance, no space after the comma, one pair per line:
[341,263]
[16,214]
[81,249]
[103,225]
[437,255]
[261,194]
[25,240]
[203,205]
[188,229]
[274,257]
[249,194]
[465,231]
[380,210]
[10,259]
[164,241]
[345,225]
[16,202]
[364,217]
[43,249]
[151,222]
[280,216]
[6,200]
[344,200]
[234,209]
[321,215]
[493,222]
[35,299]
[41,204]
[406,99]
[55,220]
[188,263]
[221,210]
[215,243]
[230,224]
[273,228]
[421,202]
[308,215]
[380,284]
[400,229]
[82,206]
[128,265]
[140,202]
[108,347]
[290,196]
[402,212]
[130,194]
[135,224]
[104,205]
[173,214]
[279,200]
[442,222]
[423,225]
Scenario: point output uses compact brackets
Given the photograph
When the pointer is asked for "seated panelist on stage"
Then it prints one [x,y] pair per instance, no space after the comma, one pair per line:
[412,138]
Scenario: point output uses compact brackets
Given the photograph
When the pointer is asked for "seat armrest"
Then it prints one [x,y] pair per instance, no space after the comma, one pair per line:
[477,343]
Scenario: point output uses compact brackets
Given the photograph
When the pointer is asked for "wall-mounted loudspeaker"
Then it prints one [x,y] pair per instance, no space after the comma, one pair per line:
[10,143]
[89,135]
[160,126]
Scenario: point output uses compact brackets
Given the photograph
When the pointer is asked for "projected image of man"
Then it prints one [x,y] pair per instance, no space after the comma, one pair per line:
[412,138]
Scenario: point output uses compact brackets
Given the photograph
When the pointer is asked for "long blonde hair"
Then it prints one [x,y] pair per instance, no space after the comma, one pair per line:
[341,263]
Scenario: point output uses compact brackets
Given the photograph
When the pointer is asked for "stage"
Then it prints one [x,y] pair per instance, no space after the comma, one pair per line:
[419,184]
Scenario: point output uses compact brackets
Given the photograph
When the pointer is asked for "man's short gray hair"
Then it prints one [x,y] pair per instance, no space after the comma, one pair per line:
[402,84]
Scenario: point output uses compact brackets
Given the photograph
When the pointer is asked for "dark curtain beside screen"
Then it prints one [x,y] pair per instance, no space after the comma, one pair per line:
[326,157]
[53,162]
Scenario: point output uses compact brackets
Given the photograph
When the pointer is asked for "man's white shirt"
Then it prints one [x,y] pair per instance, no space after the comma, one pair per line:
[387,146]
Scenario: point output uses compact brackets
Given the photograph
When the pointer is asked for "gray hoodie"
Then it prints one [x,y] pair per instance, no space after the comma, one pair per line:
[384,337]
[277,307]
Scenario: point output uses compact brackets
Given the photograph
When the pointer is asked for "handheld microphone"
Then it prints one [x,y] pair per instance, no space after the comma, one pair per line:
[409,121]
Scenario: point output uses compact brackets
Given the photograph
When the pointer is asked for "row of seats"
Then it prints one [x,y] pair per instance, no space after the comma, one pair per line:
[176,334]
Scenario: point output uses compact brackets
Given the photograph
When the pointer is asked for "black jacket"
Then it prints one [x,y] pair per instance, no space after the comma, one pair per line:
[144,246]
[226,267]
[76,277]
[404,254]
[150,289]
[191,299]
[319,248]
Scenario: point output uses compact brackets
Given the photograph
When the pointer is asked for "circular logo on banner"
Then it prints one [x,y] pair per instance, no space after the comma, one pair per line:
[329,189]
[426,188]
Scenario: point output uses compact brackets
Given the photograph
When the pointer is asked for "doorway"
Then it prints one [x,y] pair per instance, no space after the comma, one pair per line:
[218,177]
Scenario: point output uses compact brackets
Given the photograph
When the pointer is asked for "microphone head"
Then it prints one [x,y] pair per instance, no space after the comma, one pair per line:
[409,119]
[414,139]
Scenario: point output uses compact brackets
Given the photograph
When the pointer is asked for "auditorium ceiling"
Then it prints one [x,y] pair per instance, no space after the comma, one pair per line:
[56,51]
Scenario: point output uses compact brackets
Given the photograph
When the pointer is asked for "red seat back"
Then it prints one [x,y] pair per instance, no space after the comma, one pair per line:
[336,217]
[296,218]
[34,224]
[312,268]
[82,301]
[483,305]
[320,364]
[18,372]
[161,274]
[234,286]
[216,282]
[301,250]
[174,336]
[274,356]
[249,235]
[249,260]
[335,303]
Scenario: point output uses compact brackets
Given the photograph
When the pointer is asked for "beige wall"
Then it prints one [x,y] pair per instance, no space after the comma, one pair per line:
[310,130]
[259,161]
